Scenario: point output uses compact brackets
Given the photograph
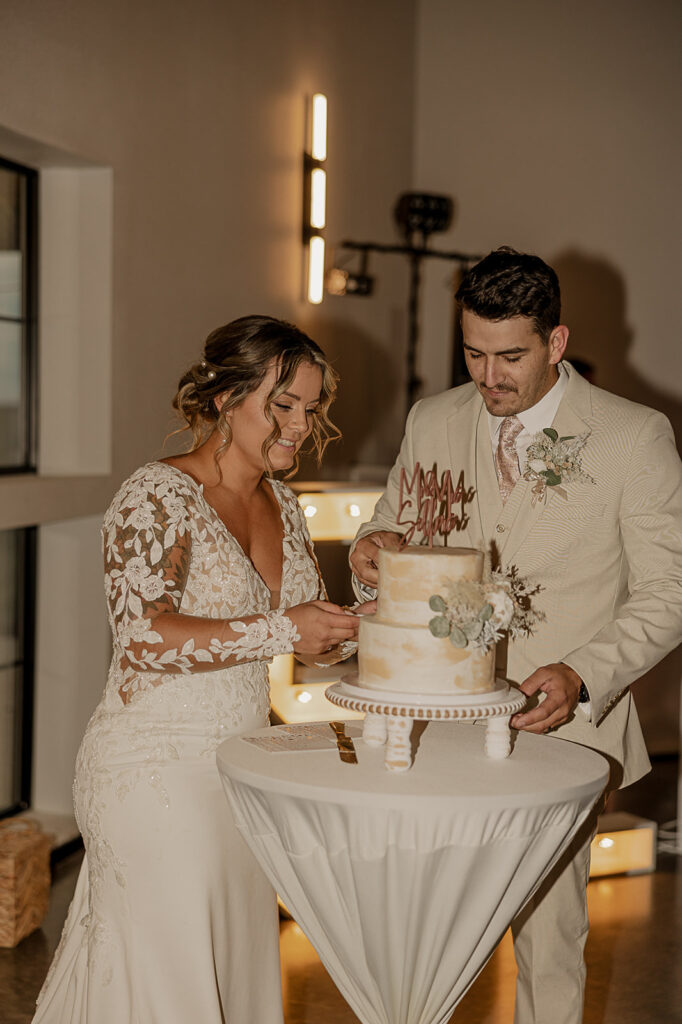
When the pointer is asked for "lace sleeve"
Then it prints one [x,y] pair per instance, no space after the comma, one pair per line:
[147,547]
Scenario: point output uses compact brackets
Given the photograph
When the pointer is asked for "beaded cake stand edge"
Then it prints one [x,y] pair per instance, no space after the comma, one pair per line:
[389,718]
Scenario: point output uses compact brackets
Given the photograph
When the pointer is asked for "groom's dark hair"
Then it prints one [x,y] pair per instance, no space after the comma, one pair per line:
[507,283]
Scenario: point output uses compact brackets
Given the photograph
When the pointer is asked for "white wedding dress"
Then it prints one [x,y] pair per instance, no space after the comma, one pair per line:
[172,921]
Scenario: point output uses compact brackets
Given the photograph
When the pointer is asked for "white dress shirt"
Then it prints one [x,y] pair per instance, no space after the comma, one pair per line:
[534,420]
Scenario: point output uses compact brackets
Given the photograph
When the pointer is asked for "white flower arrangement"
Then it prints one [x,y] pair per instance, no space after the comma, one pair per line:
[476,615]
[553,460]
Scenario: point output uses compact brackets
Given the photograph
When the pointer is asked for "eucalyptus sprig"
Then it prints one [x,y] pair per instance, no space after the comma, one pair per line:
[460,635]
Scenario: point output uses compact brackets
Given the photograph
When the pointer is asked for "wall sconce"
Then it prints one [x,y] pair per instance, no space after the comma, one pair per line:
[315,197]
[336,514]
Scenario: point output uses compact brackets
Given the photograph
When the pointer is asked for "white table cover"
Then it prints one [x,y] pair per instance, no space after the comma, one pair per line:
[405,883]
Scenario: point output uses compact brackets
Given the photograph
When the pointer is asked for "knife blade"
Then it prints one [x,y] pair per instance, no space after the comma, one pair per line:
[344,743]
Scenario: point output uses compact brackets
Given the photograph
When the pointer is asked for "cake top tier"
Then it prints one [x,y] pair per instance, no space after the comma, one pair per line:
[410,576]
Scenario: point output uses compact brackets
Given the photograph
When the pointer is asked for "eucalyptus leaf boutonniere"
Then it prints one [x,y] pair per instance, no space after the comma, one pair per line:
[554,460]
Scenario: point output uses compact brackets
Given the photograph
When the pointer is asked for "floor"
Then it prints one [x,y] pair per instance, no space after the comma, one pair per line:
[634,951]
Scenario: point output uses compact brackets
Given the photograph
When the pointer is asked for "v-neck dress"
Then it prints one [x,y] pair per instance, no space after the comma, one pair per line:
[172,920]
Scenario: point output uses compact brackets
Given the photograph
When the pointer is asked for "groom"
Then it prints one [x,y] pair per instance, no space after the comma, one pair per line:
[603,538]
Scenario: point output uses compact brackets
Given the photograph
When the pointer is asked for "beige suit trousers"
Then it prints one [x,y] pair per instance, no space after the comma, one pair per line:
[549,939]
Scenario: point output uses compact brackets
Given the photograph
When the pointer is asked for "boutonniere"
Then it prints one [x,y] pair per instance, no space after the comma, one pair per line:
[554,460]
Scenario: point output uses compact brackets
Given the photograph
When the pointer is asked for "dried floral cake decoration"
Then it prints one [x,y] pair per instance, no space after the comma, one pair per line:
[477,615]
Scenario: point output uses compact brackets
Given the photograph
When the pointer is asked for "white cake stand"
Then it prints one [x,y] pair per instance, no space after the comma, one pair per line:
[389,716]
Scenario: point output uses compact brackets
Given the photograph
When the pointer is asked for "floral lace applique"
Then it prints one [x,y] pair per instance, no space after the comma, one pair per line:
[272,634]
[153,536]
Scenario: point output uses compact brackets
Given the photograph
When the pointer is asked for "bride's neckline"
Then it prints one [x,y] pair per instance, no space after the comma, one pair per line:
[275,594]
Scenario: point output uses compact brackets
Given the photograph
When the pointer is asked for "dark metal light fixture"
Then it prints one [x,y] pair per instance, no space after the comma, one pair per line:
[424,213]
[341,281]
[418,214]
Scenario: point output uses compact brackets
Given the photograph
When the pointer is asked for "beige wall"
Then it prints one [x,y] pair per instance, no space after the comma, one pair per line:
[556,129]
[198,110]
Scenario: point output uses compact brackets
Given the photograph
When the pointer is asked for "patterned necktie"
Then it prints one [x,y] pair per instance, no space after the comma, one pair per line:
[506,459]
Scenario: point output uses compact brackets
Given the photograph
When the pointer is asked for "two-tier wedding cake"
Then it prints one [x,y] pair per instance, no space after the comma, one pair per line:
[435,625]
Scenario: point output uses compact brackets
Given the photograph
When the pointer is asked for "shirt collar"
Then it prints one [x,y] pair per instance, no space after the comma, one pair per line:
[541,414]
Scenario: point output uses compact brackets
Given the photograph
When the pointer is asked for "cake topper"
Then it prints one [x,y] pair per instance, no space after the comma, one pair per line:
[432,506]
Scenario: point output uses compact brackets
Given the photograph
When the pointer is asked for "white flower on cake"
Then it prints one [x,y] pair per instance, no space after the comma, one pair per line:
[476,615]
[502,606]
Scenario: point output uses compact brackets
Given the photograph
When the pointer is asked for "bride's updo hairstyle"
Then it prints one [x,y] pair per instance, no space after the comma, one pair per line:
[236,359]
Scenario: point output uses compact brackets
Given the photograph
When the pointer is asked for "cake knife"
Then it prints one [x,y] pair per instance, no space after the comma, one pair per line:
[344,743]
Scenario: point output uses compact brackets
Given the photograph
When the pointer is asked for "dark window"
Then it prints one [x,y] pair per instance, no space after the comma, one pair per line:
[18,202]
[17,644]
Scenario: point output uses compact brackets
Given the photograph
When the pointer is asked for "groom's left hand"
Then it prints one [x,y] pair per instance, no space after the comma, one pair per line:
[561,686]
[366,608]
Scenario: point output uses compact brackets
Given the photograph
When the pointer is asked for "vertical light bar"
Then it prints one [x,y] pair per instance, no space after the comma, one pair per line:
[319,127]
[316,270]
[315,191]
[318,197]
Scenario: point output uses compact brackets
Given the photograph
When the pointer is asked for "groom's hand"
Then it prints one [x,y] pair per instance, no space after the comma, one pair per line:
[561,686]
[365,557]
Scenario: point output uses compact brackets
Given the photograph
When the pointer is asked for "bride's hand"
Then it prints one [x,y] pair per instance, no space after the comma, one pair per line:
[321,626]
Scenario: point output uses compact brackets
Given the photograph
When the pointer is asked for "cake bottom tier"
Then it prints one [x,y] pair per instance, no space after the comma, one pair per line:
[409,659]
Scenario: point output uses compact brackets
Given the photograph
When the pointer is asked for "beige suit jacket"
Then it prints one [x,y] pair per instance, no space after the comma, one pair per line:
[608,556]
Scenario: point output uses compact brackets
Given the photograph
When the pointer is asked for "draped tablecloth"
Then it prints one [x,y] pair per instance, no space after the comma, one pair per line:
[405,883]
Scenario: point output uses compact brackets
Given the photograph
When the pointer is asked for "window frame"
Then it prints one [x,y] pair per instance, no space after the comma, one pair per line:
[28,320]
[24,694]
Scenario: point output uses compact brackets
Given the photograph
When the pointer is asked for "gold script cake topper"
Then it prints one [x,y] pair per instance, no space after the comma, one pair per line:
[431,505]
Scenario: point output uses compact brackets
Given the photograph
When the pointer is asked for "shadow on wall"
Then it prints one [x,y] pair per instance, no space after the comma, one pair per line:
[594,302]
[594,306]
[369,404]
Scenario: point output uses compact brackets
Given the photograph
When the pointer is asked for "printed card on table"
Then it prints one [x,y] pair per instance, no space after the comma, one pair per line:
[284,738]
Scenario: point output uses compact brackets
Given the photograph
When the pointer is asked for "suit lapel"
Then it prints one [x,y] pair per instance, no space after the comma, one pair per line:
[520,515]
[462,428]
[490,505]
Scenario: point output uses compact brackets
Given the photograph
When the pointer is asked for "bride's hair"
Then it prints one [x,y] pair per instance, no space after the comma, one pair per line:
[236,359]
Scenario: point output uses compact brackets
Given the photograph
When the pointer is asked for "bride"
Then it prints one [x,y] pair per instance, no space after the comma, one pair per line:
[209,572]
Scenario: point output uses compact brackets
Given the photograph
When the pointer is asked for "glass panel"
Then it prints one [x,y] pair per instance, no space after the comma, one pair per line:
[9,781]
[15,699]
[12,241]
[12,402]
[10,625]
